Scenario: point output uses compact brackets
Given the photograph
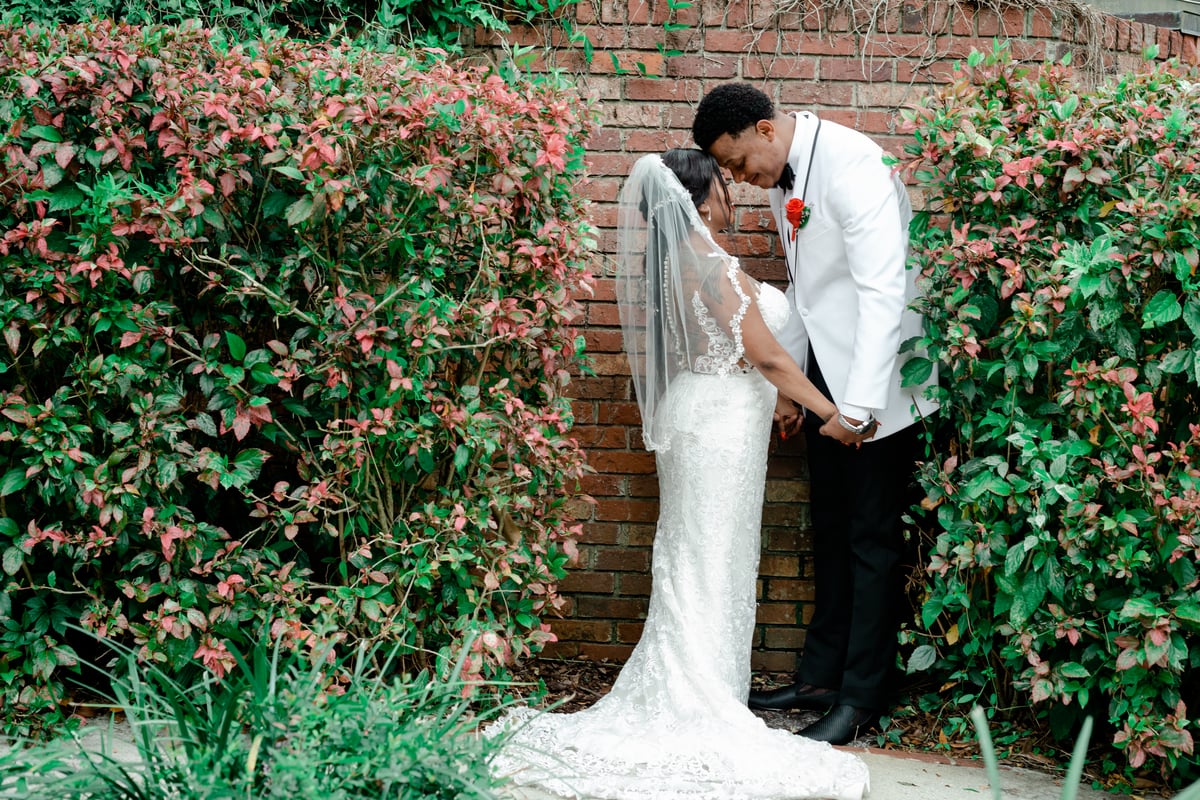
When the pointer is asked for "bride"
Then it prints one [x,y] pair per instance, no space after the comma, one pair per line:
[700,336]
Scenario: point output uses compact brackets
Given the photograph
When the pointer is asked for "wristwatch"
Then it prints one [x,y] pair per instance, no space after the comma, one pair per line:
[859,429]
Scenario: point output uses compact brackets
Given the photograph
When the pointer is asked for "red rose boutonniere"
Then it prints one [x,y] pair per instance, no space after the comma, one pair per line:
[797,214]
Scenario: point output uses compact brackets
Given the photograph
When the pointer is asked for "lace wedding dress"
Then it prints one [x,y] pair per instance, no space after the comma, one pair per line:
[675,724]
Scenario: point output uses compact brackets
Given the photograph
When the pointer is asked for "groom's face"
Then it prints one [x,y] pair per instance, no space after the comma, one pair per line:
[755,156]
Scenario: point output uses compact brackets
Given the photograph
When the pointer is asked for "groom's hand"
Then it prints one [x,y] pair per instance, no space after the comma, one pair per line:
[835,430]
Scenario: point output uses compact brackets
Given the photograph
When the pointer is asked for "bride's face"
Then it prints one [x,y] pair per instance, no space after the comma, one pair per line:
[719,206]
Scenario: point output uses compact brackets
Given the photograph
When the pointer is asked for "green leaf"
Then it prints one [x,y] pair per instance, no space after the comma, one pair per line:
[1191,315]
[290,172]
[47,133]
[13,481]
[462,457]
[1189,612]
[1073,669]
[916,371]
[13,559]
[299,211]
[1177,361]
[921,659]
[1139,608]
[237,345]
[1164,307]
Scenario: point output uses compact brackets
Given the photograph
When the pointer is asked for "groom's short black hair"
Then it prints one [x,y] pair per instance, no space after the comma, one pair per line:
[729,108]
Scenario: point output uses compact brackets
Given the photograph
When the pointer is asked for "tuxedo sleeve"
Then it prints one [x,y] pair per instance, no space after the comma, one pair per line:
[868,210]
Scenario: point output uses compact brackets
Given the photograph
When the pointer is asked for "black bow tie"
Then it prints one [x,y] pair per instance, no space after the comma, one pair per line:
[787,179]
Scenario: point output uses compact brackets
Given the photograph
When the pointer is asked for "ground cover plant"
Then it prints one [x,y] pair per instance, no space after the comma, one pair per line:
[276,727]
[286,328]
[1059,255]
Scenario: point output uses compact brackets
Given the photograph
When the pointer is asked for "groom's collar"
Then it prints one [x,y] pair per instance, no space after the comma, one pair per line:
[798,155]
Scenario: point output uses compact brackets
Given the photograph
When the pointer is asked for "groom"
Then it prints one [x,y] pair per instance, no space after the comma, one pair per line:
[842,218]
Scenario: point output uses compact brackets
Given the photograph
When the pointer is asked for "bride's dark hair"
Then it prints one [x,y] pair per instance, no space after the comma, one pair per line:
[695,170]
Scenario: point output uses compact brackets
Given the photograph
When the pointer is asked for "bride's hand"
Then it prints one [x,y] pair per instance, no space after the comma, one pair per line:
[835,430]
[787,417]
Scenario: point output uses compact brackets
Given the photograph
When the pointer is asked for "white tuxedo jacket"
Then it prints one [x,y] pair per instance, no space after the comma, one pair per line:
[849,285]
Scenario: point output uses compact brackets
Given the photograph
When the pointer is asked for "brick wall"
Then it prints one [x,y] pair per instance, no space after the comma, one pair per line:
[845,69]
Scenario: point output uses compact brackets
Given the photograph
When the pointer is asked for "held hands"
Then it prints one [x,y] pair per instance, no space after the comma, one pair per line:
[788,417]
[836,430]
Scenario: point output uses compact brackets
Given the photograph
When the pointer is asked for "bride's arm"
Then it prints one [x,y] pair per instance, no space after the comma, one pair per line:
[763,350]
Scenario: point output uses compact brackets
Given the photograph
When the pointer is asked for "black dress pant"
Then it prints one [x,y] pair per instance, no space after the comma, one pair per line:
[858,498]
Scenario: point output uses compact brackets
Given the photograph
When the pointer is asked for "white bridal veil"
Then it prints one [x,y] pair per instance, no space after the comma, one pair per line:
[682,298]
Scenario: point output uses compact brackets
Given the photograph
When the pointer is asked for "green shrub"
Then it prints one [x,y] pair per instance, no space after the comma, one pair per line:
[412,23]
[1060,265]
[286,330]
[276,728]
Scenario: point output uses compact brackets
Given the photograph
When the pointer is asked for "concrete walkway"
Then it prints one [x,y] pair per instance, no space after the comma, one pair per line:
[894,775]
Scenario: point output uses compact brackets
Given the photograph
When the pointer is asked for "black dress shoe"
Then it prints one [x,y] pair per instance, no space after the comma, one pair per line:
[798,695]
[841,725]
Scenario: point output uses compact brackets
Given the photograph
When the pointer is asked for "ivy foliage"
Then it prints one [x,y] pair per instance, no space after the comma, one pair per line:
[1059,262]
[410,23]
[286,329]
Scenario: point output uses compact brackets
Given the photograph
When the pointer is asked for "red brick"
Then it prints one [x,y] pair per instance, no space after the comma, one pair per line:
[938,72]
[815,93]
[664,89]
[610,364]
[609,163]
[604,215]
[1042,23]
[707,66]
[643,486]
[615,11]
[780,68]
[874,122]
[818,44]
[617,653]
[601,533]
[582,631]
[787,566]
[592,607]
[594,437]
[987,22]
[640,535]
[611,461]
[633,584]
[793,590]
[856,69]
[730,14]
[639,11]
[632,115]
[783,638]
[656,141]
[621,414]
[776,614]
[787,491]
[604,314]
[735,41]
[581,582]
[1137,37]
[621,560]
[603,340]
[783,540]
[599,388]
[1013,23]
[625,510]
[773,661]
[629,632]
[898,46]
[561,649]
[962,21]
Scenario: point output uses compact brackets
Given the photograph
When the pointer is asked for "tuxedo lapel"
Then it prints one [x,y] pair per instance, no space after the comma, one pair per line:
[799,156]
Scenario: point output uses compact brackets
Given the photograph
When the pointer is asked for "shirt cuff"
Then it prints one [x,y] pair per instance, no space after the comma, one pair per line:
[854,412]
